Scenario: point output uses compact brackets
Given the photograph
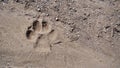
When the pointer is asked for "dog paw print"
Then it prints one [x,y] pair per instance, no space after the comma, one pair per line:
[42,34]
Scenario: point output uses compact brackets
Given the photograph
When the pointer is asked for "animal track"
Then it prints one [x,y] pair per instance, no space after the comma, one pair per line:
[42,34]
[46,28]
[30,34]
[37,26]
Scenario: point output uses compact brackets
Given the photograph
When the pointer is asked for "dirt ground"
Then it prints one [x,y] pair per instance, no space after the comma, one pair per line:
[59,33]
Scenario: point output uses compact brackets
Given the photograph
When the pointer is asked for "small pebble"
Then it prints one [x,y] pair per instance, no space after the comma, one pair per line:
[56,19]
[39,10]
[47,14]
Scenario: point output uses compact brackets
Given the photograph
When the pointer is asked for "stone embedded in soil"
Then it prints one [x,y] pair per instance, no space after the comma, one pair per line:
[57,19]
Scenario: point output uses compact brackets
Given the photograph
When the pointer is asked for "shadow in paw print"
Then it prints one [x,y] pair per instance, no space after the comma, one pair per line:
[28,32]
[35,24]
[51,31]
[29,27]
[44,23]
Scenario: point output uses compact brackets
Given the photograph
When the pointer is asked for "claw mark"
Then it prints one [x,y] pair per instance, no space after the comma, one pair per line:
[52,35]
[37,41]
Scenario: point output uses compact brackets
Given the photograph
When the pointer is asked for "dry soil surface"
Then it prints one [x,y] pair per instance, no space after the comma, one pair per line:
[59,33]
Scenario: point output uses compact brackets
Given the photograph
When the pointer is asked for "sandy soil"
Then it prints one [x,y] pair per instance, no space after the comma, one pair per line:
[59,33]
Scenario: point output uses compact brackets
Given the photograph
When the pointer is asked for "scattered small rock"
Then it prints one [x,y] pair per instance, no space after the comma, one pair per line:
[47,14]
[73,9]
[107,27]
[116,30]
[57,19]
[27,5]
[85,18]
[118,24]
[56,8]
[38,9]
